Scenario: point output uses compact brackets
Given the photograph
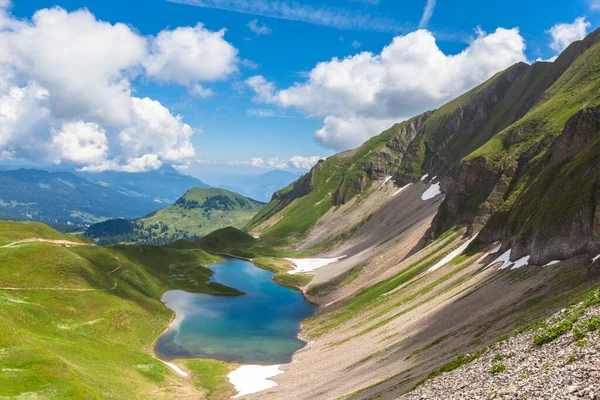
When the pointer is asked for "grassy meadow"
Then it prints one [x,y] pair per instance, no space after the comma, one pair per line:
[79,322]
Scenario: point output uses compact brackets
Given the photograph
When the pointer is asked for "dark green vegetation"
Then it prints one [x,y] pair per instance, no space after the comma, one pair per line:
[199,212]
[232,241]
[497,369]
[61,197]
[80,321]
[547,332]
[280,267]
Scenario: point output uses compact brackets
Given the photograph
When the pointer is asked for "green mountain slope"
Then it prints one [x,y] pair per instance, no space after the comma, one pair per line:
[79,322]
[539,172]
[199,212]
[477,136]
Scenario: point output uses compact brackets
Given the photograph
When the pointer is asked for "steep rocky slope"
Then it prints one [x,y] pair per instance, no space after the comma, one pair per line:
[475,144]
[431,277]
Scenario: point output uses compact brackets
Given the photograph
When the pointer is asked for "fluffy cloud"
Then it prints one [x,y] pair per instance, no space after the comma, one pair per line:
[359,95]
[155,131]
[84,63]
[257,162]
[82,143]
[343,133]
[187,55]
[304,162]
[264,90]
[66,89]
[565,34]
[22,113]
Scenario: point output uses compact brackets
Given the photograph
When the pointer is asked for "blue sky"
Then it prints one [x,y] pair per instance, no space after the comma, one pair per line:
[283,45]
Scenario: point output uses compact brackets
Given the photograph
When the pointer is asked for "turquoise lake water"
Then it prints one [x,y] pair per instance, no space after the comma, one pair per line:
[260,327]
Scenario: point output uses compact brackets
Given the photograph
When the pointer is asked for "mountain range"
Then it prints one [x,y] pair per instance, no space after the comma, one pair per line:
[77,198]
[164,185]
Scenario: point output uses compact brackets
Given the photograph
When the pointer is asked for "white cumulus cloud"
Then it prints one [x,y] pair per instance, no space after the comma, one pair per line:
[564,34]
[360,95]
[187,55]
[304,162]
[82,143]
[66,83]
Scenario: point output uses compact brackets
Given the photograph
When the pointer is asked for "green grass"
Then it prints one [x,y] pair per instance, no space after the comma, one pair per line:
[280,267]
[210,375]
[297,217]
[90,344]
[428,346]
[497,369]
[12,231]
[196,214]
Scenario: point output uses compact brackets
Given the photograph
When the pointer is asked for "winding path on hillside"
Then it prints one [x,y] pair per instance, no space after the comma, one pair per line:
[40,240]
[63,243]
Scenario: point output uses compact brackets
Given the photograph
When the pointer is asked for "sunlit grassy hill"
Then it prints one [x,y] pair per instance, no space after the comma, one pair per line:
[79,321]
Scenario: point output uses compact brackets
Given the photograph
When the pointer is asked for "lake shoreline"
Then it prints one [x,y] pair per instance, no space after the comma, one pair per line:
[179,361]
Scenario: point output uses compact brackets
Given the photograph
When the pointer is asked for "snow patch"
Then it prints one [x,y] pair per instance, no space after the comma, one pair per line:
[256,236]
[551,263]
[434,178]
[424,177]
[249,379]
[174,367]
[452,255]
[431,192]
[493,250]
[504,258]
[595,258]
[310,264]
[384,182]
[401,189]
[521,262]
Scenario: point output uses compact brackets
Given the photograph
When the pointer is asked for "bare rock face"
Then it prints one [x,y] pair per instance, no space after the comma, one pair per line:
[578,132]
[470,185]
[349,189]
[557,216]
[385,161]
[302,187]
